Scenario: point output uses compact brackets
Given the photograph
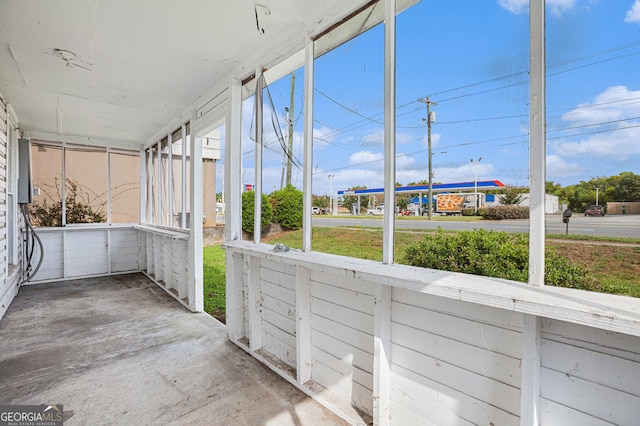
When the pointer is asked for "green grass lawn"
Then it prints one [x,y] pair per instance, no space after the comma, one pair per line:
[214,281]
[615,267]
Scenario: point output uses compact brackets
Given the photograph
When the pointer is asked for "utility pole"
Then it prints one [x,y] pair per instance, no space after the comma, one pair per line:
[430,119]
[290,121]
[476,197]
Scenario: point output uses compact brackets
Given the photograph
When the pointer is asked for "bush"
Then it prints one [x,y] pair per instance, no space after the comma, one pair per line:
[287,207]
[247,211]
[80,205]
[506,212]
[491,254]
[467,212]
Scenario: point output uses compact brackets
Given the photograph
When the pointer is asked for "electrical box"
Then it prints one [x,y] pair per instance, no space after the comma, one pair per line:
[25,185]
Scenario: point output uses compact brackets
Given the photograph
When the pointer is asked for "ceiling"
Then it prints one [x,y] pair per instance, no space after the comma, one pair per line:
[116,72]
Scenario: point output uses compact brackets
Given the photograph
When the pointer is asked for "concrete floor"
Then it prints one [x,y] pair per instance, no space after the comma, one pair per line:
[118,350]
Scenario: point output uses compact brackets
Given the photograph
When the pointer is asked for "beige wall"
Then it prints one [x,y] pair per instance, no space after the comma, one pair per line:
[88,168]
[615,207]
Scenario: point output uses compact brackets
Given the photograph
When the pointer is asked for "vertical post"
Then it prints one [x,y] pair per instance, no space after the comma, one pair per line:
[427,101]
[233,165]
[303,324]
[382,355]
[195,291]
[255,304]
[257,209]
[108,152]
[183,201]
[532,327]
[234,296]
[170,178]
[537,143]
[63,187]
[290,144]
[430,200]
[159,218]
[150,173]
[143,186]
[389,131]
[307,183]
[331,193]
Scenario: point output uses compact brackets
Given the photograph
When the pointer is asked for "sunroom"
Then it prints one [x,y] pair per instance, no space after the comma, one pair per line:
[138,103]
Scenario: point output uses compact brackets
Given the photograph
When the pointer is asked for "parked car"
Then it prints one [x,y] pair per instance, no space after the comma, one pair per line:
[594,211]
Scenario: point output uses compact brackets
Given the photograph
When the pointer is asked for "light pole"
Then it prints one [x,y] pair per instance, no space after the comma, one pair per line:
[475,185]
[331,193]
[597,190]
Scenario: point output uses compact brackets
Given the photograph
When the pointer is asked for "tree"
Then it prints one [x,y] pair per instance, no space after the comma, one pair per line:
[553,188]
[511,196]
[625,187]
[349,200]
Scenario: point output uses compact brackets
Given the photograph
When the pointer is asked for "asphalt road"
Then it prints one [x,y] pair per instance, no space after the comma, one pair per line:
[608,226]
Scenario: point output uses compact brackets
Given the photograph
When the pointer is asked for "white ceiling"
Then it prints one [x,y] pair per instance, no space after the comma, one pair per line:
[139,64]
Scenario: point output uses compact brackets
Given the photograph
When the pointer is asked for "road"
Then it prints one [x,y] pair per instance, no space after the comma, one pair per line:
[608,226]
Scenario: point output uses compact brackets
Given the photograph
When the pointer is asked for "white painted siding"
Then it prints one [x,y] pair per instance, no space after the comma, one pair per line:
[456,341]
[453,360]
[279,310]
[342,337]
[163,256]
[86,253]
[589,374]
[52,267]
[79,251]
[8,288]
[125,258]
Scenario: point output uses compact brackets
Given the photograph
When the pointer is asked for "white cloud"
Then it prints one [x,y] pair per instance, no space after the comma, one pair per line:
[376,138]
[323,136]
[633,15]
[515,6]
[557,7]
[612,123]
[615,103]
[366,157]
[435,138]
[557,167]
[404,161]
[621,144]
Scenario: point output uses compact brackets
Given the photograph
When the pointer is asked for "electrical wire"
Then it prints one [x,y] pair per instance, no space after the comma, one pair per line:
[31,237]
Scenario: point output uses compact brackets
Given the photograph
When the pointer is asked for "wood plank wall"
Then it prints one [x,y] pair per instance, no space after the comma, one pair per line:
[451,362]
[8,289]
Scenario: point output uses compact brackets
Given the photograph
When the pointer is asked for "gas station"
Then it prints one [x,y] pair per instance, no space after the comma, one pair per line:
[472,188]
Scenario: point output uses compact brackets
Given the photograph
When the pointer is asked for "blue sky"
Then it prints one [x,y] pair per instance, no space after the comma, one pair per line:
[471,59]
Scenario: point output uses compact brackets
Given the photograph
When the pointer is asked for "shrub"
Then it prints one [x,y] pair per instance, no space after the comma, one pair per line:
[287,207]
[247,211]
[467,212]
[80,205]
[491,254]
[506,212]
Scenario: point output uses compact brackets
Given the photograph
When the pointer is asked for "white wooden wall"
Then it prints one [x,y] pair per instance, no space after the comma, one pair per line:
[8,289]
[80,251]
[94,250]
[163,257]
[455,346]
